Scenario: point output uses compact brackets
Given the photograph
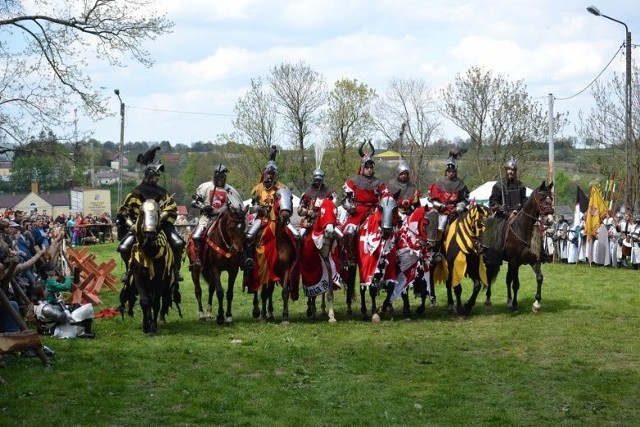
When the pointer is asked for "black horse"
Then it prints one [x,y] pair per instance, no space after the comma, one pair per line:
[151,268]
[522,239]
[223,251]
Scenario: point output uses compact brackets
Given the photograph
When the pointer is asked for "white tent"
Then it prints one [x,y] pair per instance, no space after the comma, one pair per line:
[482,193]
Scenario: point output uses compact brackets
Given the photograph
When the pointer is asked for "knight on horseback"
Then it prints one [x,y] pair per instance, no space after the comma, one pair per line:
[508,196]
[212,198]
[408,193]
[449,195]
[131,207]
[311,200]
[362,193]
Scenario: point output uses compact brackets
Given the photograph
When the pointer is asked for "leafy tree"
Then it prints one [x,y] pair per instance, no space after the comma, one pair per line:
[256,117]
[499,116]
[37,161]
[347,121]
[45,48]
[604,125]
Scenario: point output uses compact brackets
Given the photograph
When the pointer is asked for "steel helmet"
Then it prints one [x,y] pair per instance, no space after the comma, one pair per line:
[318,175]
[511,164]
[403,167]
[153,169]
[452,164]
[220,172]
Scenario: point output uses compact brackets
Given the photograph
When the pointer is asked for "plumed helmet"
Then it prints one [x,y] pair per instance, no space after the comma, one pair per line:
[318,175]
[153,169]
[403,167]
[220,172]
[366,158]
[271,167]
[452,164]
[511,164]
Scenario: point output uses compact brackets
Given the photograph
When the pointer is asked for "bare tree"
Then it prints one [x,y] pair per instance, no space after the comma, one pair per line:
[407,115]
[299,92]
[45,48]
[256,121]
[499,116]
[347,121]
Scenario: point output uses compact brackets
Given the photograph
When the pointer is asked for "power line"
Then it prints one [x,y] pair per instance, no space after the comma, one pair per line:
[196,113]
[596,78]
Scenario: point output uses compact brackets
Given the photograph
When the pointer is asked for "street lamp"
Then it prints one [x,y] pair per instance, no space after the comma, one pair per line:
[628,191]
[121,160]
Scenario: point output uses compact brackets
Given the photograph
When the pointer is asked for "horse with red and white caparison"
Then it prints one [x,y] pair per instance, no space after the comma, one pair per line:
[320,270]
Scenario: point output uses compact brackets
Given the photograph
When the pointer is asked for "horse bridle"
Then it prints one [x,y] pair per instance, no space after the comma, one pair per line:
[229,245]
[537,207]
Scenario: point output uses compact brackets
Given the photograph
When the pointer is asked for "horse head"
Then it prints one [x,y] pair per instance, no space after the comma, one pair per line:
[542,198]
[148,222]
[389,209]
[284,204]
[429,228]
[477,215]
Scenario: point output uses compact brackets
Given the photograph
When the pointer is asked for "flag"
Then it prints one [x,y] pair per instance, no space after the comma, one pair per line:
[582,203]
[596,211]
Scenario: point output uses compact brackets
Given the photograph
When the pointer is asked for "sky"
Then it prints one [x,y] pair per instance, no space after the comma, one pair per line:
[206,64]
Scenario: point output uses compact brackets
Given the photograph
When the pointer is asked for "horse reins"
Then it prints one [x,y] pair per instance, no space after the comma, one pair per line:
[218,249]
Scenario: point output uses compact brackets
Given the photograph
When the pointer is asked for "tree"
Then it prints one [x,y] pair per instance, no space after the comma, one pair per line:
[255,119]
[407,116]
[37,161]
[604,126]
[347,121]
[499,116]
[45,47]
[299,92]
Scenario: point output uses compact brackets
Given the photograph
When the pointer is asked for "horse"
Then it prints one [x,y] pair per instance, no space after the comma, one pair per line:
[151,269]
[375,257]
[276,256]
[319,272]
[222,251]
[463,256]
[416,238]
[522,239]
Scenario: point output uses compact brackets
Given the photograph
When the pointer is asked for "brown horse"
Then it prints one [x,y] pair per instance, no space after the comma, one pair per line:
[222,251]
[523,245]
[276,258]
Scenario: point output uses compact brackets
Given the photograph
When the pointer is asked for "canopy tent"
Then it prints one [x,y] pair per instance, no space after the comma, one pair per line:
[482,193]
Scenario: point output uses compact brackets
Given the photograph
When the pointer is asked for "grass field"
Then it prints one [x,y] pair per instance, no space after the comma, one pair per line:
[574,364]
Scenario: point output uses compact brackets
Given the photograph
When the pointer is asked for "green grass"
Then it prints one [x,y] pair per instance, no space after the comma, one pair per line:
[574,364]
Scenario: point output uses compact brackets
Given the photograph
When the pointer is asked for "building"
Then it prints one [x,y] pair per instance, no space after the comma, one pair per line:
[48,203]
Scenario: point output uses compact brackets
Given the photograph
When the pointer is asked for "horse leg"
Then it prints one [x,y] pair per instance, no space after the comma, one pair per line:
[450,306]
[285,301]
[459,308]
[487,301]
[537,268]
[311,307]
[195,276]
[406,307]
[509,284]
[363,303]
[516,287]
[373,293]
[231,284]
[212,288]
[256,306]
[329,298]
[220,295]
[155,311]
[323,301]
[477,286]
[270,289]
[264,297]
[351,288]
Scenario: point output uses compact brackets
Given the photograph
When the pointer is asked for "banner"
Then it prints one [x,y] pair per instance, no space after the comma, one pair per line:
[582,203]
[596,211]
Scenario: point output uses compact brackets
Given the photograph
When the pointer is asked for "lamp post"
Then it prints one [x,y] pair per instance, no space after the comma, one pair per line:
[121,160]
[628,189]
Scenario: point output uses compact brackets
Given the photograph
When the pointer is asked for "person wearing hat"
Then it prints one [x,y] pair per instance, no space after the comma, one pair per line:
[263,197]
[449,195]
[408,193]
[130,210]
[311,198]
[508,195]
[212,198]
[61,320]
[362,194]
